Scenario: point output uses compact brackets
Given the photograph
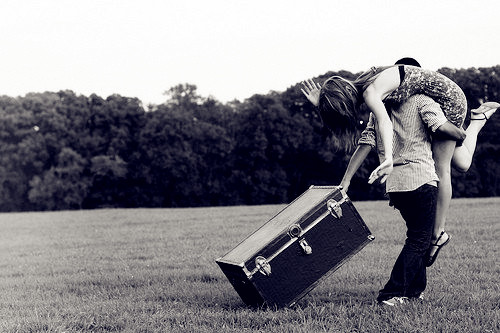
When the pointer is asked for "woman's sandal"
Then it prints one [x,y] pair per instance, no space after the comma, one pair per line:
[482,111]
[432,258]
[481,116]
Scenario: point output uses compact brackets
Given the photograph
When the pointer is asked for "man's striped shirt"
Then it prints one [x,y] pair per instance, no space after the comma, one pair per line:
[412,153]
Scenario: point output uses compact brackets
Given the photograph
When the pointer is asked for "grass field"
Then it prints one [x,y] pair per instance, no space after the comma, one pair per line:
[153,270]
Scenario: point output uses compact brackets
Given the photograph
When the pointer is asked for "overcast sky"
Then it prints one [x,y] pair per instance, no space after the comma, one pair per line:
[230,49]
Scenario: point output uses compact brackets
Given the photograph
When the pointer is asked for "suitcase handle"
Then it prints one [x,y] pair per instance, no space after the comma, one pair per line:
[294,231]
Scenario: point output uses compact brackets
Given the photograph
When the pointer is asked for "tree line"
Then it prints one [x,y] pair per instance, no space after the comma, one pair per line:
[60,150]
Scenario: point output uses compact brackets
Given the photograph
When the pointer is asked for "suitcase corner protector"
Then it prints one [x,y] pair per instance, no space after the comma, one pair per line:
[223,261]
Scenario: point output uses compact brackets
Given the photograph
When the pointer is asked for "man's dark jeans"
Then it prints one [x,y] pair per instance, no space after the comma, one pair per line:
[418,209]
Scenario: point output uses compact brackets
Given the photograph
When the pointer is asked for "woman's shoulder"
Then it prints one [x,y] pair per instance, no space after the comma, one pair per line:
[369,76]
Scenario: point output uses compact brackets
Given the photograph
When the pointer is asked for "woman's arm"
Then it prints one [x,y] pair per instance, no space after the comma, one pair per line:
[374,102]
[386,83]
[366,143]
[355,162]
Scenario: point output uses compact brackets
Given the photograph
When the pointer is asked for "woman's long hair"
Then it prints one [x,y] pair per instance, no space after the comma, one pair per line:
[339,101]
[339,105]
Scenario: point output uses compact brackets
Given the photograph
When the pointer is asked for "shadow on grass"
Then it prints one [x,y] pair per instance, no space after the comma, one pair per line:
[344,297]
[228,299]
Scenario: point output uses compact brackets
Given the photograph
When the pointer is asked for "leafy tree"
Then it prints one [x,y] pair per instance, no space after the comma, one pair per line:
[183,96]
[106,174]
[22,153]
[185,150]
[112,133]
[63,186]
[67,151]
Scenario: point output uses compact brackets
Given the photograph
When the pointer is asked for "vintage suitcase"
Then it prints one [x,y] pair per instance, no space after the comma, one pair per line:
[290,254]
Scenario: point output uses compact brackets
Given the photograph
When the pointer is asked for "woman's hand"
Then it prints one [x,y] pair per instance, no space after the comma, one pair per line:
[381,172]
[311,90]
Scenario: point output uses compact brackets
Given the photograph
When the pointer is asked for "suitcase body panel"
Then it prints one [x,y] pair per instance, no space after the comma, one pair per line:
[276,226]
[301,245]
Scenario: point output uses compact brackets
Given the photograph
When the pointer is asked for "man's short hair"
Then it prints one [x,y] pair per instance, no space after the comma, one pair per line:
[407,61]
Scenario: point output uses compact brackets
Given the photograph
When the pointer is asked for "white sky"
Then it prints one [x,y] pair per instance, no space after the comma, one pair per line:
[230,49]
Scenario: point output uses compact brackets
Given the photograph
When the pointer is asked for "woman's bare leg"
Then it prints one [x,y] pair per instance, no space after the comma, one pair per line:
[462,157]
[442,151]
[445,153]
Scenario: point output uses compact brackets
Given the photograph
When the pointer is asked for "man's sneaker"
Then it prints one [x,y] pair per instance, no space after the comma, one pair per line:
[395,301]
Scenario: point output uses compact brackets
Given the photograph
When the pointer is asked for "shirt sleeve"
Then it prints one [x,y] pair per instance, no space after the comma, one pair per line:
[368,136]
[431,113]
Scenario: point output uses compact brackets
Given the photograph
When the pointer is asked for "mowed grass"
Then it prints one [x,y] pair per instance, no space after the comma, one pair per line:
[153,270]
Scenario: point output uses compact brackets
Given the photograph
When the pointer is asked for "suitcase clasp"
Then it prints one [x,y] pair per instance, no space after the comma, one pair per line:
[305,246]
[334,208]
[263,265]
[295,231]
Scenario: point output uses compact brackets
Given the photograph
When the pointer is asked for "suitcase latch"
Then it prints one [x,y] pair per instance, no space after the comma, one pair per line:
[334,208]
[263,266]
[305,246]
[295,231]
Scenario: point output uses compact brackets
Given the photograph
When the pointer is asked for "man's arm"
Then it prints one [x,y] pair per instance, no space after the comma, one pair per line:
[450,131]
[433,116]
